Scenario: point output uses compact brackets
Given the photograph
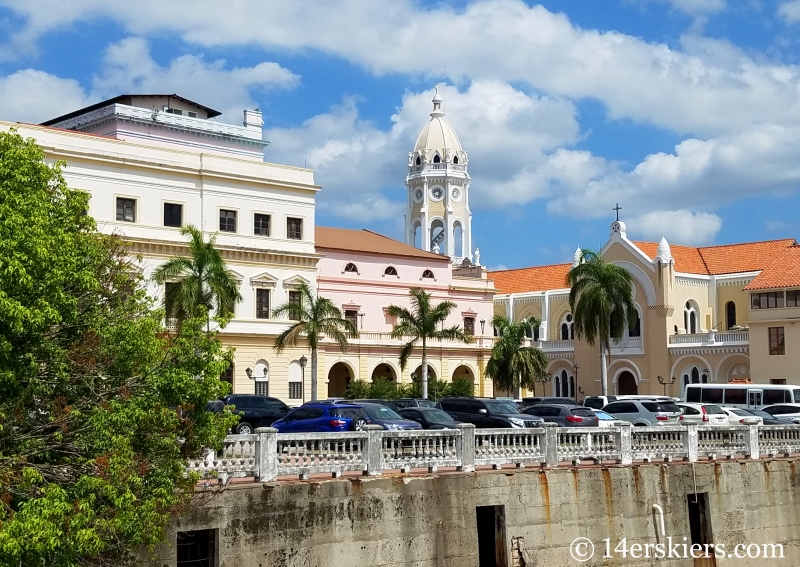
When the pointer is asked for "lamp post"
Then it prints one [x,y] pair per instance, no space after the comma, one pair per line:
[663,381]
[362,320]
[302,362]
[704,376]
[576,368]
[483,324]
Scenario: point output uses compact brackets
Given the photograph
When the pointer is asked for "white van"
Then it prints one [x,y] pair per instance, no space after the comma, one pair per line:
[746,396]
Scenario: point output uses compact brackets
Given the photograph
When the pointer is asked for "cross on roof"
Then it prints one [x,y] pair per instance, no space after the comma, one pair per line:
[618,209]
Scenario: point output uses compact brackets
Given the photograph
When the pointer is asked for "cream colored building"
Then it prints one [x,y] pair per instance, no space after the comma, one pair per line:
[695,319]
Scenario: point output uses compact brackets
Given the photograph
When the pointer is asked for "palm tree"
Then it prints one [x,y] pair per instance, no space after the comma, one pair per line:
[512,365]
[601,300]
[204,282]
[423,322]
[317,317]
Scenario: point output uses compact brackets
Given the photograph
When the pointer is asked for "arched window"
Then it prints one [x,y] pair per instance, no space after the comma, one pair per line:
[690,318]
[695,375]
[427,274]
[390,271]
[455,160]
[636,330]
[437,159]
[458,240]
[567,328]
[419,161]
[564,385]
[730,314]
[352,268]
[417,236]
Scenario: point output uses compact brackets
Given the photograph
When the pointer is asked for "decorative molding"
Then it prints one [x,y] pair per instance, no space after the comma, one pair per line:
[295,282]
[680,350]
[263,280]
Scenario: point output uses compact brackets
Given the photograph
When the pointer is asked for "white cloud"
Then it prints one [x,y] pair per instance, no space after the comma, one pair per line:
[34,96]
[679,227]
[790,11]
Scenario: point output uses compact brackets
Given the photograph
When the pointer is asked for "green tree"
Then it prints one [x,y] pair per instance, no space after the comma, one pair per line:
[512,365]
[358,390]
[316,318]
[200,282]
[422,323]
[601,300]
[98,409]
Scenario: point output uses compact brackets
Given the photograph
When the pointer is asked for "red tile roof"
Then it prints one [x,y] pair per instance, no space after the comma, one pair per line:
[369,242]
[783,271]
[536,278]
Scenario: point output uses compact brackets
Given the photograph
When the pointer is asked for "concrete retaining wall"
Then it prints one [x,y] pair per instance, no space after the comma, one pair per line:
[426,521]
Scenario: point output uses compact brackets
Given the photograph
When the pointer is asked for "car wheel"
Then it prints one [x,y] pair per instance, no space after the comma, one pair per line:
[358,424]
[244,429]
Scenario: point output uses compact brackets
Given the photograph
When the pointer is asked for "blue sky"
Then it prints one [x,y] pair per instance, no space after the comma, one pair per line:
[686,112]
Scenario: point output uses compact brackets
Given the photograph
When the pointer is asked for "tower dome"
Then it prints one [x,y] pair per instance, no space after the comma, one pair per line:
[438,218]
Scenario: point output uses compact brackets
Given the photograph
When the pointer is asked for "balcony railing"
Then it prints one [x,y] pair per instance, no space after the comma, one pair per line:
[438,167]
[267,454]
[712,338]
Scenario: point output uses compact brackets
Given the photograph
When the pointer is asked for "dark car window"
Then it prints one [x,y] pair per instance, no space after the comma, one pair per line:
[582,412]
[400,404]
[779,410]
[500,406]
[350,413]
[380,412]
[659,407]
[714,410]
[454,405]
[215,406]
[300,414]
[712,395]
[621,407]
[688,410]
[426,404]
[475,406]
[438,416]
[596,403]
[735,396]
[774,397]
[411,414]
[544,411]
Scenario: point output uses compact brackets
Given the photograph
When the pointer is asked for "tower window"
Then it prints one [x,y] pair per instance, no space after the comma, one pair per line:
[390,271]
[351,268]
[437,159]
[455,159]
[419,161]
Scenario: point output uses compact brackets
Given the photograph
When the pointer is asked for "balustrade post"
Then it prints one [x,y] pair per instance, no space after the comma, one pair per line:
[690,442]
[373,450]
[751,441]
[623,443]
[465,447]
[266,454]
[550,444]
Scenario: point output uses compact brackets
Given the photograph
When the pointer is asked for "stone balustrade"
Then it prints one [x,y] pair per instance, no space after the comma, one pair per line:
[267,454]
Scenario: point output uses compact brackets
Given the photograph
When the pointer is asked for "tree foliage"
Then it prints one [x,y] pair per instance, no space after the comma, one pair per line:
[512,365]
[316,318]
[98,410]
[423,322]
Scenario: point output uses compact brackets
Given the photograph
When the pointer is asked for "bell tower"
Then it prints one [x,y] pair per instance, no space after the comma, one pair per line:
[438,218]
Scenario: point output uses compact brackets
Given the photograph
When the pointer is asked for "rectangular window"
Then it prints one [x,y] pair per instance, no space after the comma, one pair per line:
[173,215]
[126,210]
[774,397]
[793,298]
[469,325]
[735,396]
[227,375]
[262,388]
[294,297]
[767,300]
[261,224]
[295,390]
[294,228]
[352,316]
[227,221]
[777,344]
[197,548]
[262,304]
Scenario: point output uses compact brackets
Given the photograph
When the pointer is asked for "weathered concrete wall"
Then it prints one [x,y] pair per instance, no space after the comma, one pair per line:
[428,521]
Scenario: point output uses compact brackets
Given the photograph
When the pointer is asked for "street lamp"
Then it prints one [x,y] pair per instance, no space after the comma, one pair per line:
[362,320]
[249,372]
[483,324]
[576,368]
[663,381]
[302,362]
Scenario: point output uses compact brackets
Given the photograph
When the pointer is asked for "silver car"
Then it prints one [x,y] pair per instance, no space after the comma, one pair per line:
[655,411]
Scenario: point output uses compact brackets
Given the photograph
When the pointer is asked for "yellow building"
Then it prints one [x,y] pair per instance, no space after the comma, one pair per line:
[695,319]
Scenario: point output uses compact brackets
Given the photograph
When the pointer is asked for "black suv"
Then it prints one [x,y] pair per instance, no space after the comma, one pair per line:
[401,403]
[487,412]
[530,402]
[255,411]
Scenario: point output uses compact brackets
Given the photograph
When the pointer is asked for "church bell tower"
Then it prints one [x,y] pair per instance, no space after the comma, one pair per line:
[438,218]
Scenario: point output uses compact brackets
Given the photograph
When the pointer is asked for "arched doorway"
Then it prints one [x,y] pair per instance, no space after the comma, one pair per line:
[339,377]
[463,372]
[417,374]
[384,371]
[626,384]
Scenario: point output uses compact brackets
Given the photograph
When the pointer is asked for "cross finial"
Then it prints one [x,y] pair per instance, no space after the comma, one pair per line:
[618,209]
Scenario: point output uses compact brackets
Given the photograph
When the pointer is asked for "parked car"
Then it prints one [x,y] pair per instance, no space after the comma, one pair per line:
[401,403]
[565,415]
[530,402]
[387,418]
[429,418]
[740,416]
[386,403]
[703,414]
[598,402]
[653,411]
[783,411]
[487,412]
[316,418]
[255,411]
[605,419]
[770,419]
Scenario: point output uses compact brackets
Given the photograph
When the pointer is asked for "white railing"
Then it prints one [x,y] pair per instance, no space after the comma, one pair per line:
[711,338]
[369,337]
[437,167]
[555,346]
[267,454]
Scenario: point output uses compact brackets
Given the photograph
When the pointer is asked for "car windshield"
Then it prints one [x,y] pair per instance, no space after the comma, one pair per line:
[380,412]
[742,412]
[604,416]
[760,413]
[662,407]
[426,404]
[500,406]
[438,416]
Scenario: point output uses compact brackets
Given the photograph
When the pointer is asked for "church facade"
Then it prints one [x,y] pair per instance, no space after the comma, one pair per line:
[704,316]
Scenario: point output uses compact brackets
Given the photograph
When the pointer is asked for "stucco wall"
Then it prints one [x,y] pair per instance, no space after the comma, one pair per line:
[431,520]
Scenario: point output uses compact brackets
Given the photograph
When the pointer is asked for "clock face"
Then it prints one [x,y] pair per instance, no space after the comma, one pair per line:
[418,194]
[437,193]
[455,194]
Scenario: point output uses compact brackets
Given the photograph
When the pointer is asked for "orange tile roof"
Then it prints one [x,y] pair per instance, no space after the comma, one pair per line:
[783,271]
[536,278]
[369,242]
[687,258]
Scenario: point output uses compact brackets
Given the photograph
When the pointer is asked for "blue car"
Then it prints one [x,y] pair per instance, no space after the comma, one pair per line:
[320,418]
[388,418]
